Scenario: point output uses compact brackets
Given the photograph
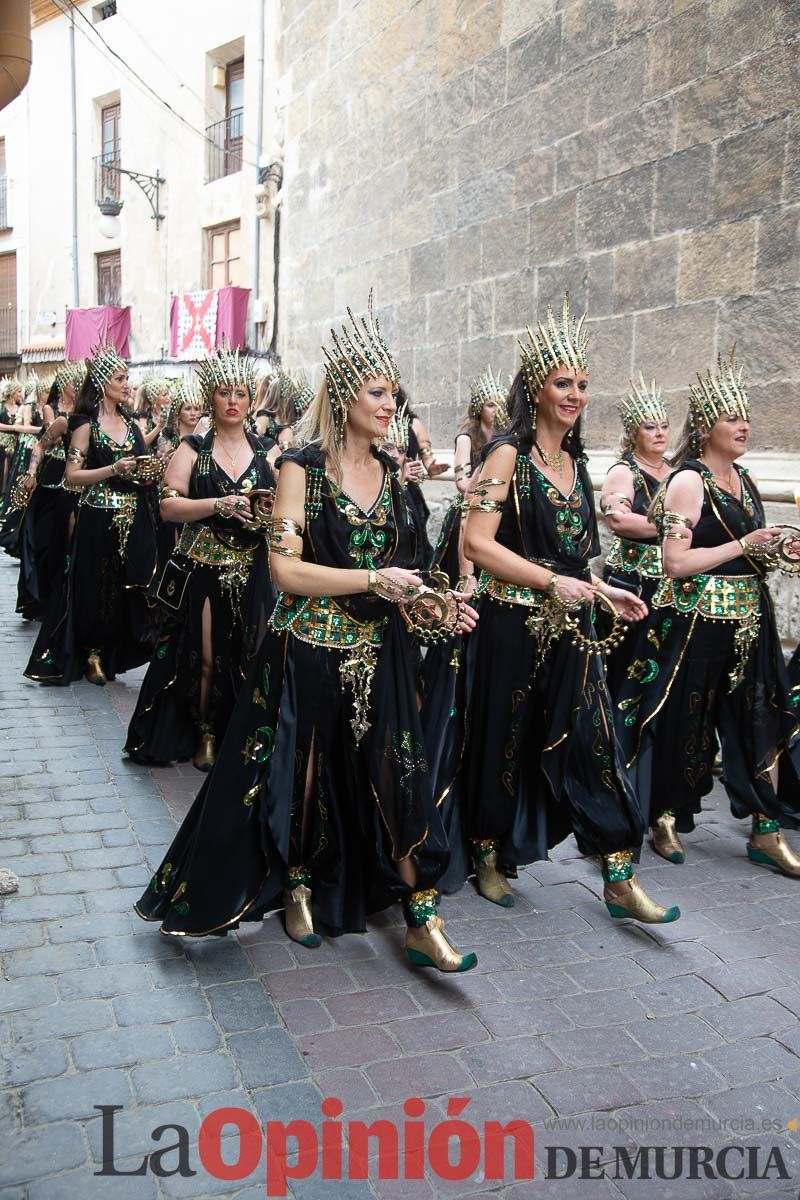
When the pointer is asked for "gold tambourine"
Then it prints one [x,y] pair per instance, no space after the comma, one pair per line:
[149,469]
[779,554]
[432,616]
[261,504]
[555,617]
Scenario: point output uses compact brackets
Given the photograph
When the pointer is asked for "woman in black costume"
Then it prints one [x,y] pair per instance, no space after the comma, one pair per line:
[31,419]
[446,668]
[205,645]
[541,759]
[99,622]
[712,665]
[321,793]
[50,514]
[10,401]
[634,556]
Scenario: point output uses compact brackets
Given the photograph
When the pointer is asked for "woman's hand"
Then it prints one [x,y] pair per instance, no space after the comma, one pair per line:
[29,482]
[237,507]
[433,468]
[762,537]
[401,579]
[629,606]
[123,466]
[468,583]
[413,470]
[467,616]
[573,591]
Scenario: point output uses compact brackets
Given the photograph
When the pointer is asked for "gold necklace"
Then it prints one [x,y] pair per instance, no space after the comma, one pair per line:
[653,466]
[555,460]
[728,483]
[231,457]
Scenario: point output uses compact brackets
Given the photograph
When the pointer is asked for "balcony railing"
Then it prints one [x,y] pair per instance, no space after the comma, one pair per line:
[4,222]
[225,146]
[8,329]
[106,180]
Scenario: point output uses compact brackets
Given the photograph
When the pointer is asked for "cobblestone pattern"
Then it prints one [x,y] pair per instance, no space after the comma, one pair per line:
[567,1015]
[641,152]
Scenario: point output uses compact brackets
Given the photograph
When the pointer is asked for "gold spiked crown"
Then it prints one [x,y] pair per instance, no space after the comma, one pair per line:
[641,404]
[553,345]
[153,385]
[185,390]
[489,386]
[103,362]
[719,395]
[358,353]
[303,397]
[226,368]
[9,386]
[397,429]
[70,373]
[35,385]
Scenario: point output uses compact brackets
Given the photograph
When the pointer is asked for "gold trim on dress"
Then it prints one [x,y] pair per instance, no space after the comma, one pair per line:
[635,557]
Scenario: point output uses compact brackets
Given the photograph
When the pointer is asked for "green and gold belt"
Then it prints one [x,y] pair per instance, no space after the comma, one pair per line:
[635,557]
[508,593]
[203,546]
[122,506]
[321,622]
[715,597]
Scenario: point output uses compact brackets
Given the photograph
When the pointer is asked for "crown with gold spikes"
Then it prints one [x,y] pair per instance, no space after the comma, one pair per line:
[36,385]
[719,395]
[70,373]
[397,429]
[303,396]
[154,384]
[641,404]
[11,384]
[553,345]
[185,390]
[358,353]
[103,362]
[489,386]
[226,368]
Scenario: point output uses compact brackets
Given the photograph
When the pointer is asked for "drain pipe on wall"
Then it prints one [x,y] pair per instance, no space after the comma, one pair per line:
[256,294]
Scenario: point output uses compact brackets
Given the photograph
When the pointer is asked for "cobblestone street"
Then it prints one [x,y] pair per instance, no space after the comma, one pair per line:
[567,1014]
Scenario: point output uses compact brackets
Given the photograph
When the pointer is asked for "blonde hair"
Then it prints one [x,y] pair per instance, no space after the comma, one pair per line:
[317,427]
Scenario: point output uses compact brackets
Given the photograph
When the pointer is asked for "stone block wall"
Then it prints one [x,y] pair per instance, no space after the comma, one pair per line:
[472,159]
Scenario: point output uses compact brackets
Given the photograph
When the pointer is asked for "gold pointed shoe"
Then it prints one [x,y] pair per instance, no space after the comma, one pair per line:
[665,840]
[298,918]
[636,905]
[206,753]
[94,669]
[781,856]
[492,883]
[428,946]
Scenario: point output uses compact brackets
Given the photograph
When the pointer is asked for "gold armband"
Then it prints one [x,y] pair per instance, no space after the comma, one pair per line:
[462,471]
[280,525]
[487,483]
[168,493]
[671,518]
[286,551]
[75,455]
[484,505]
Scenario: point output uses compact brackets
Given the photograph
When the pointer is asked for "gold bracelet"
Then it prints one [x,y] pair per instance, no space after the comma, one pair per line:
[168,493]
[286,551]
[75,455]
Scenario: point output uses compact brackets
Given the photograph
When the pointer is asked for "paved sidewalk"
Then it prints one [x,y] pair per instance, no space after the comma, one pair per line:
[567,1014]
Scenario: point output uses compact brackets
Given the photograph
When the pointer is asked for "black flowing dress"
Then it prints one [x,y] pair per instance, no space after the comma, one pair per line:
[332,681]
[12,513]
[102,604]
[711,665]
[635,564]
[541,760]
[229,571]
[445,704]
[8,442]
[417,503]
[45,534]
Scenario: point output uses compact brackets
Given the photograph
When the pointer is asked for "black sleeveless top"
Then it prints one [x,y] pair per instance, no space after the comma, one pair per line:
[724,518]
[542,523]
[645,487]
[209,480]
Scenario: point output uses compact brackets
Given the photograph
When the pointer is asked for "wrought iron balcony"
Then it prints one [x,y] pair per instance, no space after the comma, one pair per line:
[224,140]
[106,177]
[8,329]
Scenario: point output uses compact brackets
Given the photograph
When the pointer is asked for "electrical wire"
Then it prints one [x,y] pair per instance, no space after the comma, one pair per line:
[73,7]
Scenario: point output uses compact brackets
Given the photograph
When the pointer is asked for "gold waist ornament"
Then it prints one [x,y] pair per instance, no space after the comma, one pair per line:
[635,557]
[320,621]
[8,441]
[122,506]
[234,563]
[715,597]
[508,593]
[719,598]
